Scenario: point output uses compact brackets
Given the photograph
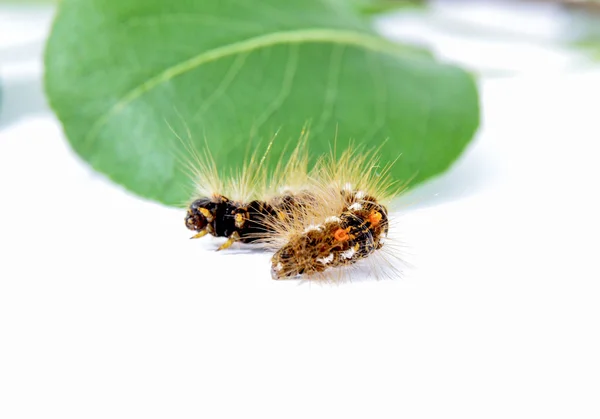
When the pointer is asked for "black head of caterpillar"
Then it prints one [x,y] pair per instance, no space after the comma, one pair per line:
[339,241]
[200,213]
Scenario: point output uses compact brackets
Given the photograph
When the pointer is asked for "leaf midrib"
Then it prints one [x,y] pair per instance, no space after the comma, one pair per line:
[333,36]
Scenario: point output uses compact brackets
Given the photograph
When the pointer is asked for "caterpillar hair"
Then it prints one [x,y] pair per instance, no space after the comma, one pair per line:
[346,222]
[240,205]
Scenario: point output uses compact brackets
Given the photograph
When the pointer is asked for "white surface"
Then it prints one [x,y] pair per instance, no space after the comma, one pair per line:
[108,310]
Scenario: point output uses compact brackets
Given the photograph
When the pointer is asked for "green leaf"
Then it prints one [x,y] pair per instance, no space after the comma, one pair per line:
[118,73]
[374,7]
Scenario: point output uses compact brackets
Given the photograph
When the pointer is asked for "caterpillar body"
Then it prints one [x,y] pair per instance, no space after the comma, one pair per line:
[339,241]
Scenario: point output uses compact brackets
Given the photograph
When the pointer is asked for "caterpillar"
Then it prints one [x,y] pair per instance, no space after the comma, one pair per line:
[338,241]
[220,216]
[232,207]
[347,221]
[332,216]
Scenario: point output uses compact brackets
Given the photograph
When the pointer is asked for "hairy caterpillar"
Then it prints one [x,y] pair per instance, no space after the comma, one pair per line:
[220,216]
[242,207]
[338,241]
[331,216]
[346,222]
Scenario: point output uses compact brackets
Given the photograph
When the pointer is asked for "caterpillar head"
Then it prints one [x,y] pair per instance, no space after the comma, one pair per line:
[200,214]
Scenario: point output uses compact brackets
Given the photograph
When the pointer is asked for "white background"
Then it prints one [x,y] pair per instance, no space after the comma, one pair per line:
[108,310]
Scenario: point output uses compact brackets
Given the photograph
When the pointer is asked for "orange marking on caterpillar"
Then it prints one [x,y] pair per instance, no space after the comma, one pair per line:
[341,234]
[375,218]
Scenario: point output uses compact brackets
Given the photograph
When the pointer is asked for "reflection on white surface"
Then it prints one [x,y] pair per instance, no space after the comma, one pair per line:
[108,310]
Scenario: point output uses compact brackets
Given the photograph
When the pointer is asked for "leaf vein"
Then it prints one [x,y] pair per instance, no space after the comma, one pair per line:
[230,76]
[286,88]
[331,92]
[332,36]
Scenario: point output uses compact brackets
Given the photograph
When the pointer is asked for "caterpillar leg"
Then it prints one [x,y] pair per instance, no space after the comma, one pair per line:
[207,230]
[232,239]
[201,234]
